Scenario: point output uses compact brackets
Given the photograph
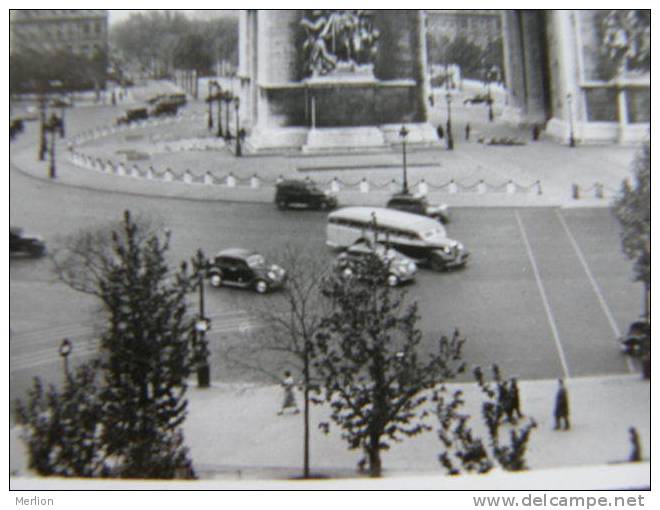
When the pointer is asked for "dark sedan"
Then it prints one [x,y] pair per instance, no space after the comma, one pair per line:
[238,267]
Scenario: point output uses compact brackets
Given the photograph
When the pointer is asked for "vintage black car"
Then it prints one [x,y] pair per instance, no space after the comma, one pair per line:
[22,244]
[417,204]
[303,193]
[638,340]
[133,116]
[16,126]
[399,267]
[165,107]
[238,267]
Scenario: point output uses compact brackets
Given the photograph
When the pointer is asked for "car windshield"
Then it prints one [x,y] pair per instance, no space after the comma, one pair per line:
[255,261]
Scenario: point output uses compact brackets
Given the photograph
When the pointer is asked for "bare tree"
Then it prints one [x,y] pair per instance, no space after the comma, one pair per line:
[291,321]
[82,259]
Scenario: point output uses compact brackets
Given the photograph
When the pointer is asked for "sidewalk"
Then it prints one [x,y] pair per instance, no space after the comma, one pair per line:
[234,433]
[555,167]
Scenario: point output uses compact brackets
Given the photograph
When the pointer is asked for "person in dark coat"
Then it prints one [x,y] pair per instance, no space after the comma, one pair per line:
[514,395]
[636,451]
[467,131]
[441,132]
[561,407]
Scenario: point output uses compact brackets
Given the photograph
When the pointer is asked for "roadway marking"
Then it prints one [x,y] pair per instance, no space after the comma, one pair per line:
[594,285]
[544,298]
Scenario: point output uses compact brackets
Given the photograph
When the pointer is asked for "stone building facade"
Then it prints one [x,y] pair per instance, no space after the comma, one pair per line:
[309,82]
[80,31]
[558,73]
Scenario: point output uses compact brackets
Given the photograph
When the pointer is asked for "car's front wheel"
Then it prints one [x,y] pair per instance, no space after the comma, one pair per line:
[281,204]
[261,287]
[392,280]
[216,280]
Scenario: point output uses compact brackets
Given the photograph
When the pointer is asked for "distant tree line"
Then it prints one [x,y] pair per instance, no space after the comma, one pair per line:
[157,42]
[42,70]
[474,60]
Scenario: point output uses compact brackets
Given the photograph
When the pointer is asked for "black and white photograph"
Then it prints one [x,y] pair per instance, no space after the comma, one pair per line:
[330,249]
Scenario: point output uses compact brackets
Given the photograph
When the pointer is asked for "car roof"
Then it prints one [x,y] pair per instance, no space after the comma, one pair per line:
[296,182]
[385,216]
[237,253]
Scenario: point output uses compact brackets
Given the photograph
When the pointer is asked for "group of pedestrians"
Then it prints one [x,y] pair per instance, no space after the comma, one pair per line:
[508,402]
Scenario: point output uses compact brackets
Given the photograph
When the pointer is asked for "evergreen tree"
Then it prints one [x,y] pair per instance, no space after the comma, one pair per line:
[126,420]
[633,210]
[62,429]
[146,357]
[367,354]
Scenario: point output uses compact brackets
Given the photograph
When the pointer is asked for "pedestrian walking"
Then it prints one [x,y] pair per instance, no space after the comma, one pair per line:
[504,401]
[467,131]
[535,133]
[514,395]
[636,450]
[561,406]
[441,132]
[289,398]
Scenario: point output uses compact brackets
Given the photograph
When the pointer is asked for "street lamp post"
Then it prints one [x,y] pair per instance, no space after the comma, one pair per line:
[227,97]
[202,325]
[571,136]
[218,96]
[403,133]
[64,351]
[450,136]
[53,126]
[237,104]
[42,128]
[209,100]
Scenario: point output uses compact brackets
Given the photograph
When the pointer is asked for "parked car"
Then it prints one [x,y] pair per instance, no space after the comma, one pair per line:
[238,267]
[21,243]
[16,126]
[478,99]
[399,267]
[637,341]
[133,116]
[303,193]
[417,204]
[179,99]
[165,107]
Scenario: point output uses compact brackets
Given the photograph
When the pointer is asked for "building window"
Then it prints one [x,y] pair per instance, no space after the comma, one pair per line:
[601,105]
[638,101]
[98,27]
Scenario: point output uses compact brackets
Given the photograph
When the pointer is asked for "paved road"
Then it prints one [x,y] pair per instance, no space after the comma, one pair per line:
[545,294]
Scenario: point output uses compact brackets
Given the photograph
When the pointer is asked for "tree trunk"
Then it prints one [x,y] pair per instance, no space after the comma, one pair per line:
[306,413]
[373,451]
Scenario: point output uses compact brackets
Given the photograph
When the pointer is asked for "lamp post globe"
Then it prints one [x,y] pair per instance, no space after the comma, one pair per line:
[64,351]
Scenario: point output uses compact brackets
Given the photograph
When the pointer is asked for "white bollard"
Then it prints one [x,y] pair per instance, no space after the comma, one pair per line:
[121,170]
[187,177]
[208,178]
[453,187]
[364,186]
[481,187]
[423,188]
[135,172]
[231,181]
[334,185]
[169,176]
[150,173]
[510,188]
[394,186]
[254,182]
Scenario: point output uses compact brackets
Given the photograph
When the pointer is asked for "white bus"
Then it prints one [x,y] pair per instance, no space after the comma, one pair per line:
[419,237]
